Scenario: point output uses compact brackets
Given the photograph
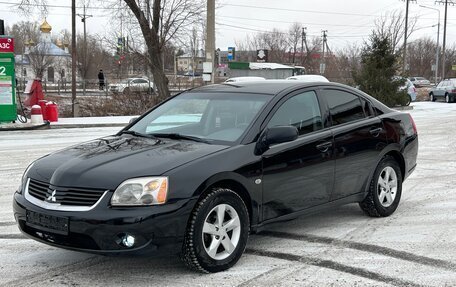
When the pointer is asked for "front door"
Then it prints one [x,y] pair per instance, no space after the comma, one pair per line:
[298,174]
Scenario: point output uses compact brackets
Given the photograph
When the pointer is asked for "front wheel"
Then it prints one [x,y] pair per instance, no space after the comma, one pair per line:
[447,98]
[385,189]
[217,232]
[431,97]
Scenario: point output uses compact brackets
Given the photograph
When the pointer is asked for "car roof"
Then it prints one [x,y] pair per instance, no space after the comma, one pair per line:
[271,87]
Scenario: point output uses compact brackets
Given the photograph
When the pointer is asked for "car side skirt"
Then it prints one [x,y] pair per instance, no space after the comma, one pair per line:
[315,209]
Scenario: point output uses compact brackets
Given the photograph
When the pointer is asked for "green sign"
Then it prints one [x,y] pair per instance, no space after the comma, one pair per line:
[453,67]
[7,88]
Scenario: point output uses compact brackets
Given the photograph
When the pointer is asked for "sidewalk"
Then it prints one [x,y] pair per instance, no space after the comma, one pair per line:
[65,123]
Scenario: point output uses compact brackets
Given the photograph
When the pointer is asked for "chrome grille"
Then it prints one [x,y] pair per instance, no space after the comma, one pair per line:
[62,195]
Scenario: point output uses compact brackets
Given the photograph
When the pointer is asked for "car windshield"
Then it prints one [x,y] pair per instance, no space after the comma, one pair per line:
[204,116]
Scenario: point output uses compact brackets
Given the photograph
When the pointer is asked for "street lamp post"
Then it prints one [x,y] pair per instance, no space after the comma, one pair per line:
[437,49]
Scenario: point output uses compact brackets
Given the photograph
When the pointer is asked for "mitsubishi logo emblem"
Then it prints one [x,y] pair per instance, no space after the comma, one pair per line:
[52,198]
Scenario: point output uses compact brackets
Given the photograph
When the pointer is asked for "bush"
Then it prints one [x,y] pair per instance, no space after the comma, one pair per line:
[376,77]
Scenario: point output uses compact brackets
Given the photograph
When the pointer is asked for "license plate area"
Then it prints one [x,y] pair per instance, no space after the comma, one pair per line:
[49,223]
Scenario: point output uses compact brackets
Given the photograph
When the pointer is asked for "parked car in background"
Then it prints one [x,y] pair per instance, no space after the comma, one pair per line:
[445,90]
[309,78]
[409,87]
[244,79]
[201,171]
[132,85]
[420,81]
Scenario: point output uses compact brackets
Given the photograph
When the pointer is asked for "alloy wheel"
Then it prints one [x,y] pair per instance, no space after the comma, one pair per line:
[221,231]
[387,186]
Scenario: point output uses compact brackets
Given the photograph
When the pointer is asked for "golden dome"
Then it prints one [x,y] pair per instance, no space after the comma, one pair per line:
[45,27]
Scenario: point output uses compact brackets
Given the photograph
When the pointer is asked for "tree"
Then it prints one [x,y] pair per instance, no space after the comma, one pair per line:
[161,23]
[40,59]
[23,32]
[376,76]
[294,38]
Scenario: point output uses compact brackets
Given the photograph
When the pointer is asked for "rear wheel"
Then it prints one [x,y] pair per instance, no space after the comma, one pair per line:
[385,189]
[217,232]
[447,98]
[409,100]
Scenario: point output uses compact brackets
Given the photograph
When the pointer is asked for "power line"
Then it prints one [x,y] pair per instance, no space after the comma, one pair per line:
[299,10]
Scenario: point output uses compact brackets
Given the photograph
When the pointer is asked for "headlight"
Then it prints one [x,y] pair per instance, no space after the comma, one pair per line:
[24,178]
[141,191]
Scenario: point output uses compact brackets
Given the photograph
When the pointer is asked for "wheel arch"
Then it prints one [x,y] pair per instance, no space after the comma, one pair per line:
[394,153]
[236,183]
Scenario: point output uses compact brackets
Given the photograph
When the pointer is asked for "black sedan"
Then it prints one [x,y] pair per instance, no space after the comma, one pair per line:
[199,172]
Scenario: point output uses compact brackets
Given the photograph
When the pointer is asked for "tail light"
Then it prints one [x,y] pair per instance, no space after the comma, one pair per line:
[413,124]
[453,91]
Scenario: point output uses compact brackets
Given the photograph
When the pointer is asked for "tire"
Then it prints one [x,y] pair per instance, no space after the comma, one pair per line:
[205,248]
[431,97]
[447,98]
[409,101]
[126,91]
[380,202]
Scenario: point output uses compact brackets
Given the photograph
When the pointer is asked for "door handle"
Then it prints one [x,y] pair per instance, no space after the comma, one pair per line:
[376,132]
[323,147]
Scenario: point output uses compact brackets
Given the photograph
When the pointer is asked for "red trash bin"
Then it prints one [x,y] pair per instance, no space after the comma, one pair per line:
[52,112]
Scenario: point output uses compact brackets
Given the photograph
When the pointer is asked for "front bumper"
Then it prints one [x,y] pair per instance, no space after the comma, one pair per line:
[157,229]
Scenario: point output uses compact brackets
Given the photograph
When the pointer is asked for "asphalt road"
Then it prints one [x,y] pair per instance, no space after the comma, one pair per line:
[341,247]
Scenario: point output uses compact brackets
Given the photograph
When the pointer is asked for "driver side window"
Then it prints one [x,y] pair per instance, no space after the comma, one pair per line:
[301,111]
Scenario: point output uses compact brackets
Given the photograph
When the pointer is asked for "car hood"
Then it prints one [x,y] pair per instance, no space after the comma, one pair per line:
[105,163]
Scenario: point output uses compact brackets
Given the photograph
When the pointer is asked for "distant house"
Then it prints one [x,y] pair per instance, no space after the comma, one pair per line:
[265,70]
[188,63]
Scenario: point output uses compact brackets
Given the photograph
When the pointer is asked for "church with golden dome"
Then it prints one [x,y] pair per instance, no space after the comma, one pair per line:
[51,62]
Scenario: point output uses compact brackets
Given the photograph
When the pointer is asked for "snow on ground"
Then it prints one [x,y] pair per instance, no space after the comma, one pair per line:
[340,247]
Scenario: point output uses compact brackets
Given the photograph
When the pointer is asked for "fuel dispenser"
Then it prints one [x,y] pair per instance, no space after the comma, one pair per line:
[8,111]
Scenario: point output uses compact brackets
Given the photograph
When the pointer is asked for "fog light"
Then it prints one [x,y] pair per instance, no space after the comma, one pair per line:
[127,240]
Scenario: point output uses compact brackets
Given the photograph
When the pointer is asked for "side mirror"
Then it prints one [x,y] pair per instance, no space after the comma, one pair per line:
[275,135]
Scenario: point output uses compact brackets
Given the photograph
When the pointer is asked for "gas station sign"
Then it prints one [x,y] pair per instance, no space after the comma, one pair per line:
[7,80]
[6,45]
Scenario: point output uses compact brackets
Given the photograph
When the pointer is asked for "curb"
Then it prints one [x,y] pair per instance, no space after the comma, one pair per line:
[403,108]
[44,126]
[76,126]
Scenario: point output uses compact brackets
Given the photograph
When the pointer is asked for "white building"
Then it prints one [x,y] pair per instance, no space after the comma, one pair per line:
[53,60]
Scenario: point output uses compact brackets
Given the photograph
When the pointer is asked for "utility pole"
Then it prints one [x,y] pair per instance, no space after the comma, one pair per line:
[446,2]
[323,62]
[404,56]
[74,104]
[437,49]
[84,16]
[210,36]
[303,40]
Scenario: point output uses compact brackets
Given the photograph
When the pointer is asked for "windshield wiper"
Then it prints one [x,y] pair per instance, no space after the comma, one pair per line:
[134,133]
[177,136]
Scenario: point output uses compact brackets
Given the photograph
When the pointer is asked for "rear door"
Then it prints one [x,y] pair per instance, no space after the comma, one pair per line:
[298,174]
[359,137]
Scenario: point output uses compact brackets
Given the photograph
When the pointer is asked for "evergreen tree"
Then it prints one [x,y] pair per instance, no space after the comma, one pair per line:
[377,75]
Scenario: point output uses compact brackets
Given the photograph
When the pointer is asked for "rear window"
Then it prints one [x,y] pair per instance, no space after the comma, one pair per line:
[344,107]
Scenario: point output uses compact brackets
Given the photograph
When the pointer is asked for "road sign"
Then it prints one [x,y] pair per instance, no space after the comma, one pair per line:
[231,53]
[262,55]
[453,67]
[7,80]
